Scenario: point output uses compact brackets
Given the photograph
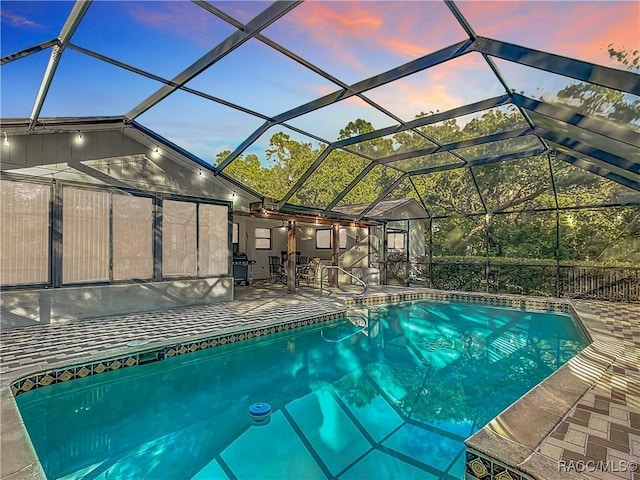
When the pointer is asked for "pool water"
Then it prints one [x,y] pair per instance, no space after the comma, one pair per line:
[390,392]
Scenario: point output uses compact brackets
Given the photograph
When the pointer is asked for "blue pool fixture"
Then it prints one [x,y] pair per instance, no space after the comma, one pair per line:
[260,411]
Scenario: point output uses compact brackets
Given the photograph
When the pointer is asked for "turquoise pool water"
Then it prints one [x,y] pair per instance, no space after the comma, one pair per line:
[391,397]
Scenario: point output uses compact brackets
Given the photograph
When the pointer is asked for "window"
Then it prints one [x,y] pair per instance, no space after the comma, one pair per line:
[342,235]
[213,247]
[178,239]
[132,237]
[323,238]
[24,240]
[85,235]
[263,239]
[395,241]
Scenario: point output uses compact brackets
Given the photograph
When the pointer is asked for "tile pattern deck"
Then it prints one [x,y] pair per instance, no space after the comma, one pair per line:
[45,346]
[604,425]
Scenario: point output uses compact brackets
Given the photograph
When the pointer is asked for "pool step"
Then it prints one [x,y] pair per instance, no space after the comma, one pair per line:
[501,348]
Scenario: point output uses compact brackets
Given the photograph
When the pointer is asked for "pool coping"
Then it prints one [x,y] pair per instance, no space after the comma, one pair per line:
[513,437]
[489,447]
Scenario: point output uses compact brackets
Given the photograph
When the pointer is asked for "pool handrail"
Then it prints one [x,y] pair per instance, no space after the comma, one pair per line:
[326,267]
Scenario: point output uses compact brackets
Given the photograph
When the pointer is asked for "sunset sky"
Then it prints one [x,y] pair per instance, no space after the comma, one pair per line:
[349,40]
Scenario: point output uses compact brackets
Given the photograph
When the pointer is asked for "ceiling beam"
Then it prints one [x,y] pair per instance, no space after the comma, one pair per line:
[431,119]
[428,120]
[461,20]
[556,148]
[521,132]
[29,51]
[602,172]
[268,16]
[157,78]
[68,29]
[415,189]
[243,146]
[479,161]
[621,80]
[349,187]
[325,153]
[570,116]
[582,148]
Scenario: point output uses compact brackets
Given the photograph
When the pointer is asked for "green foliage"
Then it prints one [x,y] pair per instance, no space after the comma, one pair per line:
[630,59]
[453,276]
[595,100]
[396,265]
[529,280]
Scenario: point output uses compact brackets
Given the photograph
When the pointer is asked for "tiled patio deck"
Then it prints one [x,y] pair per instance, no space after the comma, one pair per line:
[602,425]
[48,345]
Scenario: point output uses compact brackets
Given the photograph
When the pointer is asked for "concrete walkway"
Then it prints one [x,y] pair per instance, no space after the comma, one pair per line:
[46,346]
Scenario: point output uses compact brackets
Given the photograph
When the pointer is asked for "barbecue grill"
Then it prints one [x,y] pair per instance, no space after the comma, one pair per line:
[242,268]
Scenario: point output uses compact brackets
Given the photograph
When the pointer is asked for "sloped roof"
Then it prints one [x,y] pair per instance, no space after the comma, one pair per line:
[387,209]
[206,78]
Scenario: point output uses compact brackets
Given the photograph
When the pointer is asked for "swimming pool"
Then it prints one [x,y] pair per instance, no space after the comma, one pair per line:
[390,392]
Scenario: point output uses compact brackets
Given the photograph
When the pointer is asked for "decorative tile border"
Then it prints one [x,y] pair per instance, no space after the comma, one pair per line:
[481,467]
[487,299]
[51,377]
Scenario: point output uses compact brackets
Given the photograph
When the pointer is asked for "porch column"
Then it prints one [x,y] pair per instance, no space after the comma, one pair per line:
[335,253]
[292,247]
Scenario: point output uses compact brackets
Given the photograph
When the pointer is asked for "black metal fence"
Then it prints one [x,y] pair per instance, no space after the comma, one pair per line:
[568,281]
[611,283]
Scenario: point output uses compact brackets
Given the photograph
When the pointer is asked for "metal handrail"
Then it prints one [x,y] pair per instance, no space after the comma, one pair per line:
[343,338]
[364,285]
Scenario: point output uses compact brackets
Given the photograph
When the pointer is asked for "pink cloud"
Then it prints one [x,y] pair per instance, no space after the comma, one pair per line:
[181,18]
[577,29]
[405,100]
[596,28]
[16,20]
[350,29]
[404,48]
[333,29]
[457,82]
[322,90]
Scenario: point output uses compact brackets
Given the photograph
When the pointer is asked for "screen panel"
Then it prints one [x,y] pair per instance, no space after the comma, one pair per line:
[179,255]
[24,238]
[132,219]
[213,246]
[85,235]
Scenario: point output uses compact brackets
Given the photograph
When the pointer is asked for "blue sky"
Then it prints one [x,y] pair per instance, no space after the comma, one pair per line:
[349,40]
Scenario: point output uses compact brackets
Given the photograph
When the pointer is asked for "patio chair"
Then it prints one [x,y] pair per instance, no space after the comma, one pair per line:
[309,273]
[276,269]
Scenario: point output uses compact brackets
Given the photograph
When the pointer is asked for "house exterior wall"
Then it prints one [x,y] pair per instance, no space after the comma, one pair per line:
[21,308]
